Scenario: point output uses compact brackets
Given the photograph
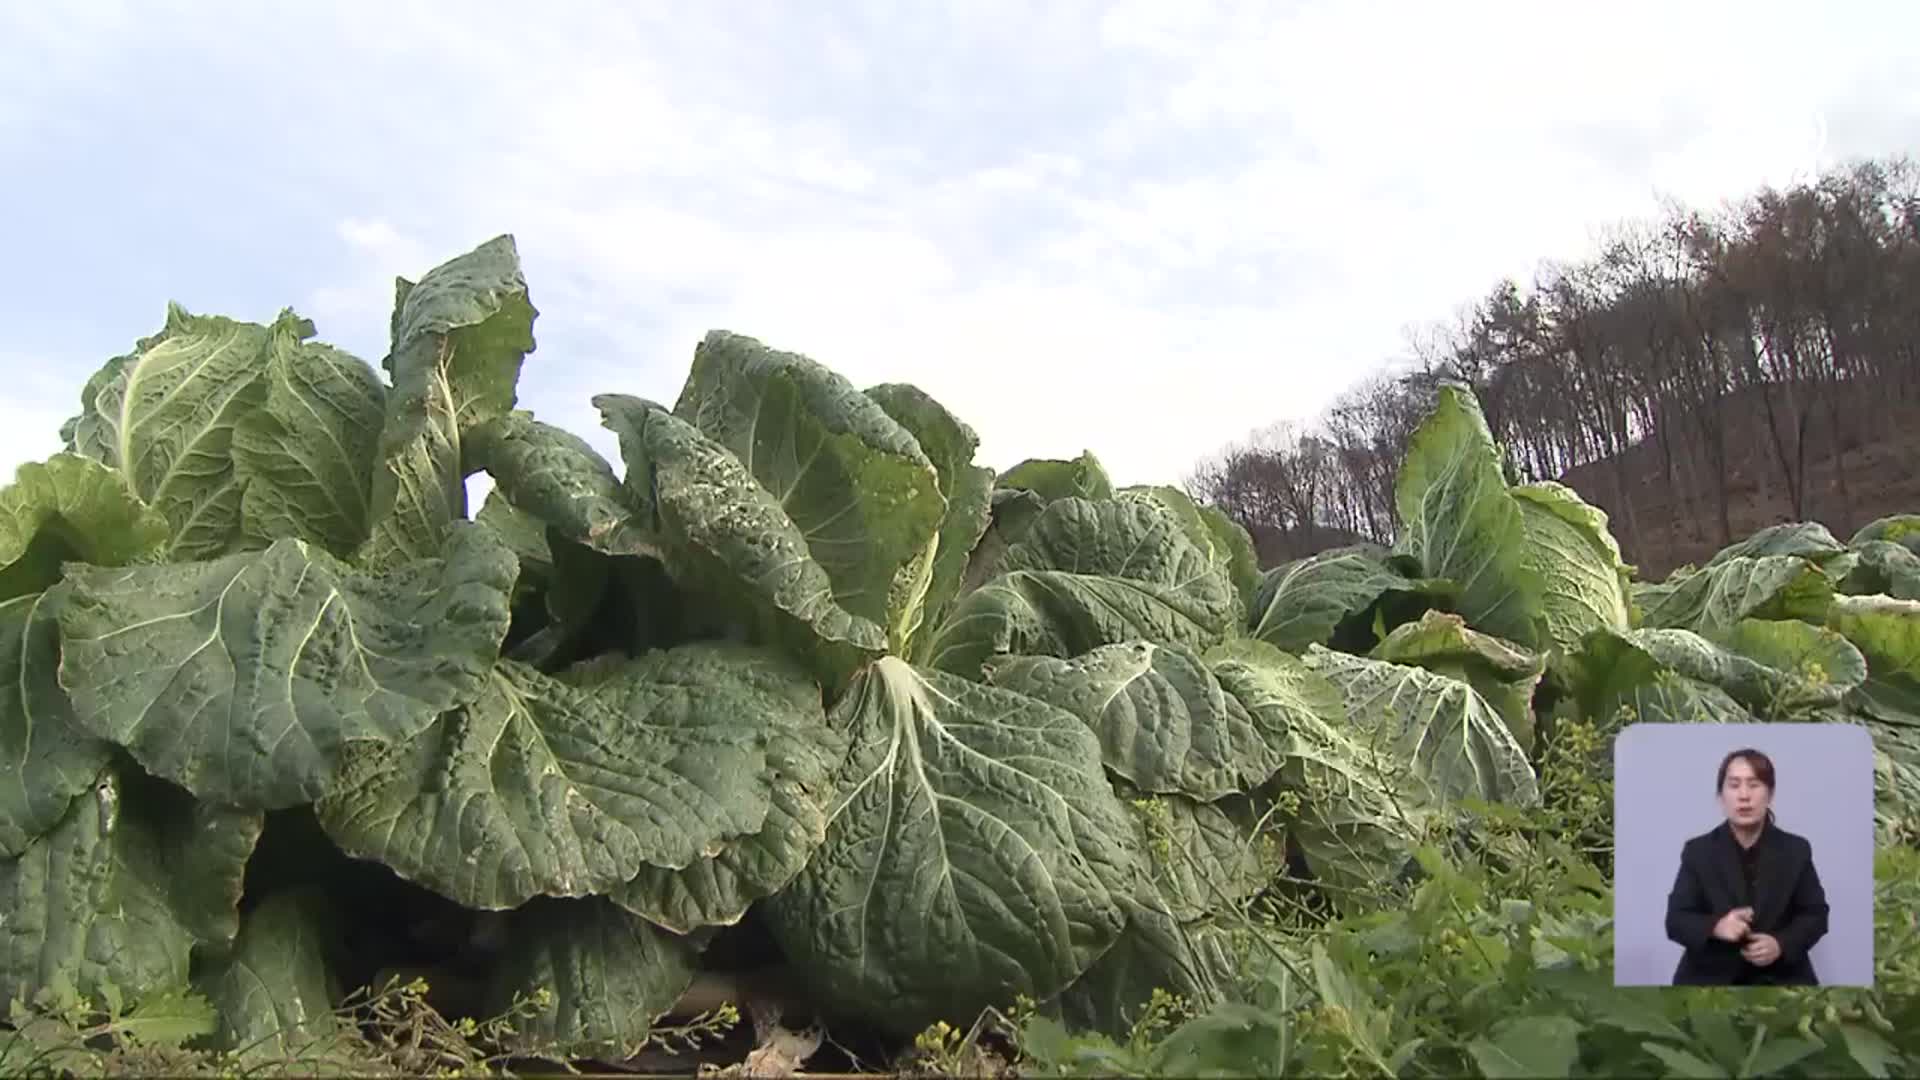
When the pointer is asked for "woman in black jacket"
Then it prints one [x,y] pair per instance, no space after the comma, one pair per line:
[1747,903]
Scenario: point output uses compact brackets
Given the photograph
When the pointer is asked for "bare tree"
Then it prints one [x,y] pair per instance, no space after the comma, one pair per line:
[1695,369]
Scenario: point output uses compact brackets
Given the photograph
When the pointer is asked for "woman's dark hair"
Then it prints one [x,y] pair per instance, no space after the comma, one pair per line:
[1761,764]
[1762,767]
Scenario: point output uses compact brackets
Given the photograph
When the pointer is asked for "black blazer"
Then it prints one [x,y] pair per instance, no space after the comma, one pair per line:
[1788,903]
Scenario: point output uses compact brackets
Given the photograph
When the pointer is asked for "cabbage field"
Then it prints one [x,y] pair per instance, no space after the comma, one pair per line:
[799,706]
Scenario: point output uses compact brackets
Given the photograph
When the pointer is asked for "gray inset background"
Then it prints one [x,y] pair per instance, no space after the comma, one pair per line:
[1663,794]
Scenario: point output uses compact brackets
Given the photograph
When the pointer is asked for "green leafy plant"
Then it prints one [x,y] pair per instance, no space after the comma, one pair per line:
[797,677]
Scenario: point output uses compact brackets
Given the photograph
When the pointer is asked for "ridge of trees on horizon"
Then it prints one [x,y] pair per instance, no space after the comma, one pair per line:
[1749,351]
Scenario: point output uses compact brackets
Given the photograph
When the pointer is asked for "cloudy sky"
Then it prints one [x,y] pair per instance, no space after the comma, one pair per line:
[1143,228]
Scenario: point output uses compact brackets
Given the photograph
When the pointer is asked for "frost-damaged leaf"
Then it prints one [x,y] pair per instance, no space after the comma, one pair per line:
[1885,567]
[853,480]
[1440,728]
[121,890]
[1461,523]
[1567,544]
[975,852]
[607,975]
[1165,724]
[1051,479]
[70,509]
[1089,574]
[555,478]
[967,489]
[1504,674]
[305,452]
[459,337]
[717,891]
[1712,599]
[45,760]
[1308,601]
[242,679]
[723,530]
[274,992]
[544,786]
[165,414]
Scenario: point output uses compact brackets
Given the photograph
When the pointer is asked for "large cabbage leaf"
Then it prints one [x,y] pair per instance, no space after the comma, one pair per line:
[1567,544]
[1333,597]
[164,416]
[975,852]
[554,478]
[729,537]
[244,678]
[1459,521]
[68,508]
[854,481]
[717,890]
[1887,633]
[1902,529]
[1088,574]
[1885,567]
[1013,511]
[305,454]
[121,890]
[1051,479]
[48,759]
[274,990]
[1772,668]
[1205,858]
[1224,542]
[1617,680]
[540,787]
[1197,960]
[1502,673]
[1808,540]
[1711,600]
[968,491]
[459,337]
[239,434]
[71,509]
[608,976]
[1166,725]
[1243,562]
[1440,729]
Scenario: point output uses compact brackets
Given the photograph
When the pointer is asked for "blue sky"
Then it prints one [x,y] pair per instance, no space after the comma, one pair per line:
[1141,228]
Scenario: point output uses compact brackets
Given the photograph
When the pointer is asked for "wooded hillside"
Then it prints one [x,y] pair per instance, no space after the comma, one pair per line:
[1699,376]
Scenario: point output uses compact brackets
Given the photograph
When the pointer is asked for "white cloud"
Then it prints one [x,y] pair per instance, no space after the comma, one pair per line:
[1132,227]
[39,398]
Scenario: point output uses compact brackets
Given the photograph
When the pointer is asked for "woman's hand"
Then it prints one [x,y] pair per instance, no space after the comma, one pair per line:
[1733,925]
[1761,950]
